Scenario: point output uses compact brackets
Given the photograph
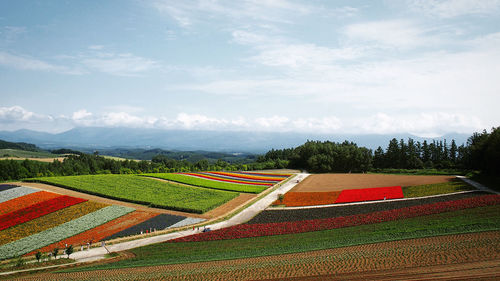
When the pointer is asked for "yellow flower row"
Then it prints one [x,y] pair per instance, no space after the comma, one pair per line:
[48,221]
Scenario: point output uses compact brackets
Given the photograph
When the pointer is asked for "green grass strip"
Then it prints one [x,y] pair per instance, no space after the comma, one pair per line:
[145,191]
[190,180]
[463,221]
[63,231]
[455,185]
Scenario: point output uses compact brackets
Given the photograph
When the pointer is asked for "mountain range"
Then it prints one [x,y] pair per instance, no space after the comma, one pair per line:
[189,140]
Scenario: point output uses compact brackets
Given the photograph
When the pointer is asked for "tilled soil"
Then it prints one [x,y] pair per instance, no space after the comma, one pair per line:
[457,257]
[337,182]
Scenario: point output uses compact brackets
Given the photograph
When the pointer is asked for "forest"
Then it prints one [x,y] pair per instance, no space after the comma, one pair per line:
[480,153]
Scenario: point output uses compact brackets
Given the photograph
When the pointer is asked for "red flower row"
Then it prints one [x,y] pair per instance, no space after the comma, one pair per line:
[267,229]
[244,177]
[37,210]
[369,194]
[225,180]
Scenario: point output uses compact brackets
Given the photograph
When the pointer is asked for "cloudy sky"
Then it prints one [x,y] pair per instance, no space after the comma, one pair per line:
[422,67]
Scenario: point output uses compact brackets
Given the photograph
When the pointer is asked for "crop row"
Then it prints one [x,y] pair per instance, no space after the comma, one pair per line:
[48,221]
[226,179]
[369,194]
[208,183]
[297,199]
[158,222]
[37,210]
[4,187]
[58,233]
[146,191]
[249,177]
[99,233]
[15,192]
[284,215]
[255,230]
[462,221]
[25,201]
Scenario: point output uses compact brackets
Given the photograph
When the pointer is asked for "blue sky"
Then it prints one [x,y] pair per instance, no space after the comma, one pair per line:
[362,67]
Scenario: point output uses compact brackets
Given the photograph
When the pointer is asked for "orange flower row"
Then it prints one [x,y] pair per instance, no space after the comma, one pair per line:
[296,199]
[26,201]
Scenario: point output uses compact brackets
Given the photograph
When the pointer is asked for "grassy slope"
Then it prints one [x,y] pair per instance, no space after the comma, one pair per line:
[209,183]
[463,221]
[145,191]
[434,189]
[26,154]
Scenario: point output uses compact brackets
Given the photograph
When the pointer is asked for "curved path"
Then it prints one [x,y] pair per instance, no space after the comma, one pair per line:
[243,216]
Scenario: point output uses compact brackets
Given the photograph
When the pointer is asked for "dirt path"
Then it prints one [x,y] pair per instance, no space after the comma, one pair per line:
[337,182]
[231,205]
[106,200]
[471,256]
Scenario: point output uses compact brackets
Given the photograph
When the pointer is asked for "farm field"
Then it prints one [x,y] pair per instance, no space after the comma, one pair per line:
[239,182]
[454,222]
[338,182]
[339,194]
[144,190]
[463,255]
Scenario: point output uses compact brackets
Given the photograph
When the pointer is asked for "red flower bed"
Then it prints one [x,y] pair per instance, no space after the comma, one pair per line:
[251,177]
[297,199]
[267,229]
[369,194]
[25,201]
[226,180]
[37,210]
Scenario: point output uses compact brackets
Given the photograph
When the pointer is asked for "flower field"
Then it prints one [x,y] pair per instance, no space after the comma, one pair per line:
[25,201]
[146,191]
[4,187]
[158,222]
[61,232]
[272,215]
[298,199]
[369,194]
[255,230]
[48,221]
[231,181]
[15,192]
[37,210]
[101,232]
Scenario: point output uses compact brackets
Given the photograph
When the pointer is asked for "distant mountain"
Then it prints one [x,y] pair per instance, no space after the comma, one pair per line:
[189,140]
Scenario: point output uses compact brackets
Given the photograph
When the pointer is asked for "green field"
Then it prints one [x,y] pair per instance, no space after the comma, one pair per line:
[26,154]
[463,221]
[146,191]
[208,183]
[434,189]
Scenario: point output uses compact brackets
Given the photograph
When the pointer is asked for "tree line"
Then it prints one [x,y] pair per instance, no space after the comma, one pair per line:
[481,153]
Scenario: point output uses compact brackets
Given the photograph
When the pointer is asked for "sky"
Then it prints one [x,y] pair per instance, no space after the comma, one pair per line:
[333,67]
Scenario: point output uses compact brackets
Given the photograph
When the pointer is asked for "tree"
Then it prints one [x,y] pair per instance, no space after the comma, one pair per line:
[69,250]
[55,252]
[38,256]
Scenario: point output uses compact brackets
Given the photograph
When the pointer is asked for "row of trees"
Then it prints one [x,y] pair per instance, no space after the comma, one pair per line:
[481,152]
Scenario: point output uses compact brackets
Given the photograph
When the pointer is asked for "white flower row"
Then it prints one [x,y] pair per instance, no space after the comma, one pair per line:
[15,192]
[63,231]
[186,221]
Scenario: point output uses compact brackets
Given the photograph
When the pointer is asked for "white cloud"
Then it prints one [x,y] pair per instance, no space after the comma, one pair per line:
[96,47]
[81,114]
[15,113]
[120,64]
[27,63]
[424,124]
[390,33]
[455,8]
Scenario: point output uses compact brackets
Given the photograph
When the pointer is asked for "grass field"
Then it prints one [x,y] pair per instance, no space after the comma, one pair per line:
[463,221]
[144,190]
[26,154]
[455,185]
[208,183]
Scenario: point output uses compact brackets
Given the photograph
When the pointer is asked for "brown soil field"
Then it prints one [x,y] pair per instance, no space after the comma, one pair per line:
[337,182]
[469,256]
[49,160]
[231,205]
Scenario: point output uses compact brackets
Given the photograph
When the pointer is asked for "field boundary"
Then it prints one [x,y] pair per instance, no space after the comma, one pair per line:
[367,202]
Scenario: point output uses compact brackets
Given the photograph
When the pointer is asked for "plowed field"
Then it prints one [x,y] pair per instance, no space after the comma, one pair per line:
[337,182]
[475,255]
